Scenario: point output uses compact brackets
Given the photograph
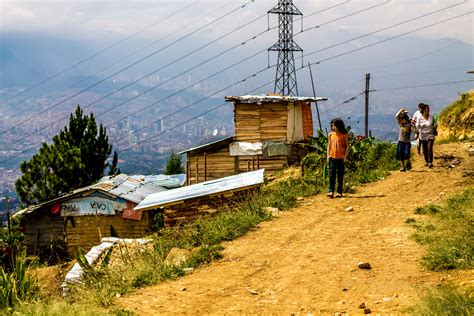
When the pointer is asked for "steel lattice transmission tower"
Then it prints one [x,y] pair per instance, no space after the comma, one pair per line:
[285,79]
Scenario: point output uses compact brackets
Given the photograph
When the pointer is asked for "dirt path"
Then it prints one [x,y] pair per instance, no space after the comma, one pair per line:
[305,261]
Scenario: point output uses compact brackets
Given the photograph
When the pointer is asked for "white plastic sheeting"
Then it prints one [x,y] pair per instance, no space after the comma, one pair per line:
[237,182]
[245,149]
[76,273]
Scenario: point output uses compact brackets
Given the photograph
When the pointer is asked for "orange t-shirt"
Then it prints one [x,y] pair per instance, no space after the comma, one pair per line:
[337,145]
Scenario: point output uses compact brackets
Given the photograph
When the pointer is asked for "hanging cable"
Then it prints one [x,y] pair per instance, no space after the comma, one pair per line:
[101,51]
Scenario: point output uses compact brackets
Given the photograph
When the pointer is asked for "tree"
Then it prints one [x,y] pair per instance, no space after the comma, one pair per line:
[173,165]
[75,158]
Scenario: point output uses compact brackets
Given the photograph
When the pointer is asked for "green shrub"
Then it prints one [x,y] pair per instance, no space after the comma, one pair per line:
[16,286]
[446,300]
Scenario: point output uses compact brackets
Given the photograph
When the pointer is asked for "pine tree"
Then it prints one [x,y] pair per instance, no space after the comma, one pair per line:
[173,165]
[76,158]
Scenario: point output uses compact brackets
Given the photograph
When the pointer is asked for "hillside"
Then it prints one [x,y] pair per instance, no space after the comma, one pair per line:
[457,120]
[305,261]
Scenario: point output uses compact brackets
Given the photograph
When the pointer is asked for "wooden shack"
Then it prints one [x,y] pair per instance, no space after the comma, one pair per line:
[269,133]
[80,219]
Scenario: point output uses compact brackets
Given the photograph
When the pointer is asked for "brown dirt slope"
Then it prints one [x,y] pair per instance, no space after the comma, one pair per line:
[305,261]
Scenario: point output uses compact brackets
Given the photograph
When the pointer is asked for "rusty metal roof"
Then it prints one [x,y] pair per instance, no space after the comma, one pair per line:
[271,98]
[122,186]
[208,188]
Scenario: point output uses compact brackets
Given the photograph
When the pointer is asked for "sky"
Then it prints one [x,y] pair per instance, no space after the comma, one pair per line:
[108,20]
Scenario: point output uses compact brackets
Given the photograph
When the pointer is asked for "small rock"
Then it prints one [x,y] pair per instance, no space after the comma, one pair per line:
[183,289]
[299,198]
[367,311]
[252,291]
[187,270]
[117,295]
[345,289]
[364,265]
[349,209]
[362,306]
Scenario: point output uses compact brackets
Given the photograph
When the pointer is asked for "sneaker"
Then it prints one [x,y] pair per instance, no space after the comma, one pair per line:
[339,195]
[403,169]
[430,165]
[330,194]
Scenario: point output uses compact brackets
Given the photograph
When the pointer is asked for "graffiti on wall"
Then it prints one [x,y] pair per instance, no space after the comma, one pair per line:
[90,206]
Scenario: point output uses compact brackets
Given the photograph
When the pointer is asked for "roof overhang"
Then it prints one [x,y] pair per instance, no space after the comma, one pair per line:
[271,99]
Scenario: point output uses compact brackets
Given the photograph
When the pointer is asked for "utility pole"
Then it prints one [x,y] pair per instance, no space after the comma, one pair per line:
[314,94]
[367,83]
[285,78]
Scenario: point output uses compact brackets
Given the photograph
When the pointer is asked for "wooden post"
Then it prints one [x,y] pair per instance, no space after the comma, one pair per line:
[188,172]
[367,83]
[205,167]
[236,165]
[248,165]
[258,163]
[253,163]
[314,94]
[197,169]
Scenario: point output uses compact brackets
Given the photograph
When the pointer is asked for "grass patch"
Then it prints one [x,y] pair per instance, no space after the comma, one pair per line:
[429,209]
[446,300]
[448,233]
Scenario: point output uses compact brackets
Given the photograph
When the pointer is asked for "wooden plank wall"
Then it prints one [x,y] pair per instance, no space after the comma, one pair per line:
[84,234]
[41,229]
[260,122]
[193,209]
[210,166]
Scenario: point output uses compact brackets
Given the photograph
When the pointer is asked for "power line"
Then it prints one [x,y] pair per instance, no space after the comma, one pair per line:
[423,85]
[418,72]
[126,57]
[394,25]
[402,61]
[342,54]
[101,51]
[387,39]
[148,90]
[189,120]
[136,62]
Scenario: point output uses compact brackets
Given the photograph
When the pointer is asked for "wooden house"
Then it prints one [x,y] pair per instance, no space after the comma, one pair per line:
[80,219]
[269,132]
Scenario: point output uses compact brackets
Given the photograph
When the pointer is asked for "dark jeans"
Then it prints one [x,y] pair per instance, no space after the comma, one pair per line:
[336,167]
[428,150]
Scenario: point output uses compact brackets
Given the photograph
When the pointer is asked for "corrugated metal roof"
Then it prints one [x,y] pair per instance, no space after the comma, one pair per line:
[231,183]
[272,98]
[215,144]
[172,181]
[122,185]
[128,188]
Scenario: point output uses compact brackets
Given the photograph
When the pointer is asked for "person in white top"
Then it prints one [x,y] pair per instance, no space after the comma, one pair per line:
[425,125]
[413,120]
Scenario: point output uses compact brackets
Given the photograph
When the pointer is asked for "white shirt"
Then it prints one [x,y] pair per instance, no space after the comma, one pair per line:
[425,127]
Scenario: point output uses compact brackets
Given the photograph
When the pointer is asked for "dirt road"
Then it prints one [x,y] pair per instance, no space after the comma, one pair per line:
[305,261]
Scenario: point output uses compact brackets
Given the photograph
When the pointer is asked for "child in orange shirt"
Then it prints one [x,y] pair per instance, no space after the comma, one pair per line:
[338,148]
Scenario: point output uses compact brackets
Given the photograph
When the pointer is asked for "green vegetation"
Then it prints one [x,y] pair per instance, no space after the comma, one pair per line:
[76,158]
[15,284]
[200,239]
[457,118]
[446,300]
[368,161]
[449,233]
[173,165]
